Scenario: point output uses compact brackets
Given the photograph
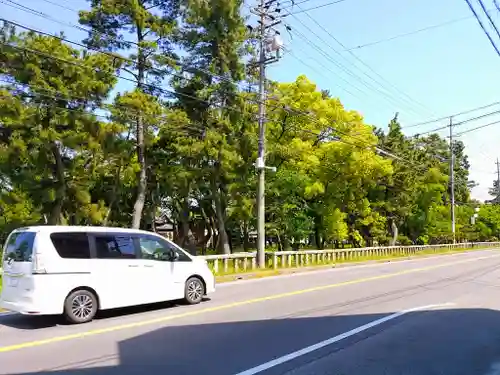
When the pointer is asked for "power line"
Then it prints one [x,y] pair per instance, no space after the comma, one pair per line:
[320,72]
[346,70]
[340,66]
[477,118]
[35,12]
[316,7]
[461,122]
[41,14]
[109,54]
[327,68]
[173,93]
[453,115]
[61,6]
[410,99]
[44,15]
[369,44]
[164,91]
[482,27]
[188,128]
[116,56]
[288,4]
[50,94]
[488,16]
[477,128]
[110,37]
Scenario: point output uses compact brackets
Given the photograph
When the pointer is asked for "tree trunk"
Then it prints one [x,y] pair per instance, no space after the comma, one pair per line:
[56,212]
[114,194]
[203,239]
[153,211]
[317,239]
[140,146]
[280,244]
[285,241]
[395,232]
[223,240]
[116,187]
[184,218]
[142,183]
[246,242]
[317,234]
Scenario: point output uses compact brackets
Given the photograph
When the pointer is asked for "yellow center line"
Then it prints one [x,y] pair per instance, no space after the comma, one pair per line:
[163,319]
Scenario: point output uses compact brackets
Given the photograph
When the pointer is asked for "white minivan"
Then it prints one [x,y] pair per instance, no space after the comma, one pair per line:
[77,271]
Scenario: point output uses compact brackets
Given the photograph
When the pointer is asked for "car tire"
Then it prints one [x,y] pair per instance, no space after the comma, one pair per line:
[194,291]
[80,307]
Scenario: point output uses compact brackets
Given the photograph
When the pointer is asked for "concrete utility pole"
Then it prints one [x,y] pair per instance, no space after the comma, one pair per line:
[452,180]
[269,42]
[498,181]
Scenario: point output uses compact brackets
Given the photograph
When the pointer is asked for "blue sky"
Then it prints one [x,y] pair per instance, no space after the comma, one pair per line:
[446,70]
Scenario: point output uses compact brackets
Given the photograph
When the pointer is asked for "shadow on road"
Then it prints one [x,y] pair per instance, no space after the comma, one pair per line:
[450,342]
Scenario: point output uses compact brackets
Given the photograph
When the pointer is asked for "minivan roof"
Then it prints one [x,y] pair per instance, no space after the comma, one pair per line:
[77,228]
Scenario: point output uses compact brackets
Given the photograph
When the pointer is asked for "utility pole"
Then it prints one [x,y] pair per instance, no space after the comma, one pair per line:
[452,180]
[498,181]
[261,188]
[268,43]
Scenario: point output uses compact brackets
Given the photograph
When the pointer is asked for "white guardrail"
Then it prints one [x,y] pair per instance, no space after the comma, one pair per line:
[241,262]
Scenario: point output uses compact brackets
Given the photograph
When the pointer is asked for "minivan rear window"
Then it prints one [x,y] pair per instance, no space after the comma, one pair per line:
[71,245]
[19,246]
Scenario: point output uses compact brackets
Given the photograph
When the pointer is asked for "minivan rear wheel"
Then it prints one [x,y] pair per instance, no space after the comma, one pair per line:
[194,291]
[80,306]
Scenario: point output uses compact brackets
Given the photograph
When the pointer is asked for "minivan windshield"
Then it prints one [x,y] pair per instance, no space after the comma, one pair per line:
[19,246]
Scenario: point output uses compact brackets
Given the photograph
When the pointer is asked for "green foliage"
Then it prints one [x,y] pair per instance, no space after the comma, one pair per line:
[52,149]
[72,151]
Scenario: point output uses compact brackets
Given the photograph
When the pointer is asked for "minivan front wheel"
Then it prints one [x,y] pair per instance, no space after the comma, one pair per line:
[194,291]
[80,306]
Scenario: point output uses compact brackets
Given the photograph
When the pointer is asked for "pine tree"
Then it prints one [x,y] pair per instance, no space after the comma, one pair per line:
[153,26]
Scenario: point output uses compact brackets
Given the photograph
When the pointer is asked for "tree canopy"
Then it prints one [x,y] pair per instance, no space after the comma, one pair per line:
[178,147]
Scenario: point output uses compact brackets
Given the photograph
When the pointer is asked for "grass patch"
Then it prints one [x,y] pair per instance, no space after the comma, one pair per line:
[222,276]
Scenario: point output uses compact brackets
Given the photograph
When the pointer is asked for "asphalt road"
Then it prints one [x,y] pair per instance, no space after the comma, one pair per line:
[426,316]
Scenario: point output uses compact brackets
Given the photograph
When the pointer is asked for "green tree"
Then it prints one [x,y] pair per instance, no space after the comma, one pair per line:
[214,34]
[495,191]
[417,184]
[330,154]
[51,147]
[153,24]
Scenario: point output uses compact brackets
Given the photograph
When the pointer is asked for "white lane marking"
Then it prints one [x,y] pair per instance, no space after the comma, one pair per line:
[309,272]
[332,340]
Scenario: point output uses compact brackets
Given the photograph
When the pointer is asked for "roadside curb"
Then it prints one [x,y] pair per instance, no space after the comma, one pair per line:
[299,270]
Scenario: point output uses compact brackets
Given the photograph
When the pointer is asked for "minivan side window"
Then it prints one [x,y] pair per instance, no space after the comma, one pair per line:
[157,249]
[71,245]
[113,246]
[19,246]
